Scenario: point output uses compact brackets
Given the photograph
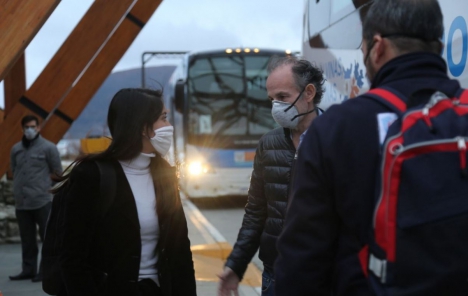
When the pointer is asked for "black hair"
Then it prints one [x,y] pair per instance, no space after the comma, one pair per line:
[304,73]
[411,25]
[29,118]
[132,112]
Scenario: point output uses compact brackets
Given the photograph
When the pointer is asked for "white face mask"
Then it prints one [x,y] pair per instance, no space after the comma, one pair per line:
[285,117]
[162,139]
[30,133]
[286,114]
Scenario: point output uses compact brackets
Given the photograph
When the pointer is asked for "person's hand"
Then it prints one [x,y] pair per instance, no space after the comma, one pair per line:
[228,283]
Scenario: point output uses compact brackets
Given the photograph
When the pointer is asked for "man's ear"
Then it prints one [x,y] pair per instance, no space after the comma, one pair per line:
[310,92]
[380,48]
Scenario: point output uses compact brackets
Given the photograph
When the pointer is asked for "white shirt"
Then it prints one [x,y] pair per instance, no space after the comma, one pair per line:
[139,177]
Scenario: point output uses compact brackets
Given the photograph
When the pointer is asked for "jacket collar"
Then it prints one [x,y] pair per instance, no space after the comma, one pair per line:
[407,66]
[412,73]
[29,143]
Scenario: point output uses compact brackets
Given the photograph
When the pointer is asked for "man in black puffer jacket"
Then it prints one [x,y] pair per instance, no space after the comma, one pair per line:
[295,88]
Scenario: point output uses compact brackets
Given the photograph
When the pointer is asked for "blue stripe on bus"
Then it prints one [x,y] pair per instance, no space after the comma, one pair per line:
[228,158]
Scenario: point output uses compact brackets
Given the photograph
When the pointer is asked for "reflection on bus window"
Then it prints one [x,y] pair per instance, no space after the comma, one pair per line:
[222,103]
[339,6]
[318,17]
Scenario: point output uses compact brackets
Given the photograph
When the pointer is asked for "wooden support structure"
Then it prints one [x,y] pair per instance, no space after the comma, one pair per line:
[65,68]
[15,84]
[87,86]
[20,20]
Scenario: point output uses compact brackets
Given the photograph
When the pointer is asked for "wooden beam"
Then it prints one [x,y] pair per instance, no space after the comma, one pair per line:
[79,96]
[67,65]
[15,84]
[20,20]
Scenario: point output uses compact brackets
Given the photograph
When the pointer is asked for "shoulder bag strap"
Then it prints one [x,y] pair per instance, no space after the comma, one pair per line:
[388,97]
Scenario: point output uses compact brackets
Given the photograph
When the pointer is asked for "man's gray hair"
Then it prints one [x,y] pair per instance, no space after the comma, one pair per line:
[411,25]
[303,71]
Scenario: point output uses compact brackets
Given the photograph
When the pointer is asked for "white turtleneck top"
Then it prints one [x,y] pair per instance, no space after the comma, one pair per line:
[138,175]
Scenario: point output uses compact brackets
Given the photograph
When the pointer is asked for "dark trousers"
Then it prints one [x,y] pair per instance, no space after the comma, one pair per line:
[27,221]
[148,287]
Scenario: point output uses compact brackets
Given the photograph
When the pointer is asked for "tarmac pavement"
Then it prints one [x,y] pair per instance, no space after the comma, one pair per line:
[208,261]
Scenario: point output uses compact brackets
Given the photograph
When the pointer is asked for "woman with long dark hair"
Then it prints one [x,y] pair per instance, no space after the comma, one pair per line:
[141,246]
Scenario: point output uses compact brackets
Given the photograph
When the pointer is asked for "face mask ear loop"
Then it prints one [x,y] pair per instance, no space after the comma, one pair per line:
[303,114]
[294,103]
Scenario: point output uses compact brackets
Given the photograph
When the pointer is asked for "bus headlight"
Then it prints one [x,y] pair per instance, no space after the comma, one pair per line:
[197,168]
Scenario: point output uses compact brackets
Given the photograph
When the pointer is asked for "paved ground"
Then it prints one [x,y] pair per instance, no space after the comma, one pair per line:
[200,232]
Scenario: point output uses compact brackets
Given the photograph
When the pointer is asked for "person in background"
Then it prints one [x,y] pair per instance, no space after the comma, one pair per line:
[295,88]
[34,161]
[141,246]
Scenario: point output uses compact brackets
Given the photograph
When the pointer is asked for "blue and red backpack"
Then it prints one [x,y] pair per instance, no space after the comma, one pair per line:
[419,240]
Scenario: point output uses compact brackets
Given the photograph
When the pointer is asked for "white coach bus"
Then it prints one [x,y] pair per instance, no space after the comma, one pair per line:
[332,36]
[220,109]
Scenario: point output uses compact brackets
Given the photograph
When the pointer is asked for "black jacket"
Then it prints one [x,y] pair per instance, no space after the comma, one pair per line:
[332,203]
[103,257]
[267,201]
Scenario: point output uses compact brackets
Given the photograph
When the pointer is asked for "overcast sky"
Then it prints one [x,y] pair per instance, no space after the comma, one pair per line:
[180,25]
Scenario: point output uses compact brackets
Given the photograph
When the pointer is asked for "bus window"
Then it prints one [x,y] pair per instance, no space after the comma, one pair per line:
[340,8]
[345,34]
[227,96]
[319,16]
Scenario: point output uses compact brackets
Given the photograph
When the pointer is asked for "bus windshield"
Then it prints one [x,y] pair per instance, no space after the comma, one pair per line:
[228,103]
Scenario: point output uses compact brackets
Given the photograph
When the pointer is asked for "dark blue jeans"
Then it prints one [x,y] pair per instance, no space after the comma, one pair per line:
[27,221]
[268,283]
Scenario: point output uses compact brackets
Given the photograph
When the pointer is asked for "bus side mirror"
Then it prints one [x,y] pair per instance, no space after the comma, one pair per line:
[180,96]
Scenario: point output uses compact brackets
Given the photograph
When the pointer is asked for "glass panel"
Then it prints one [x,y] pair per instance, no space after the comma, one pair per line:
[350,26]
[228,96]
[318,17]
[340,6]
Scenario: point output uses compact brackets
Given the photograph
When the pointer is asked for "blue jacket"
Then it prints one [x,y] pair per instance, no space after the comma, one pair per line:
[331,210]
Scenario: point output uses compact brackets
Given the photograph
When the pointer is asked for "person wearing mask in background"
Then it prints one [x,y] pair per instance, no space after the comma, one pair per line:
[34,161]
[330,213]
[141,246]
[295,88]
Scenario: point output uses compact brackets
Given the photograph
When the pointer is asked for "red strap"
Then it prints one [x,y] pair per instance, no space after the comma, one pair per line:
[464,97]
[364,259]
[389,97]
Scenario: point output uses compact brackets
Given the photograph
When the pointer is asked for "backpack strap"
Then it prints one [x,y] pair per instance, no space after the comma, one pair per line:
[462,95]
[388,97]
[107,185]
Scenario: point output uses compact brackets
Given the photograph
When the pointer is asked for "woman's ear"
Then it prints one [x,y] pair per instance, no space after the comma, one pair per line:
[146,132]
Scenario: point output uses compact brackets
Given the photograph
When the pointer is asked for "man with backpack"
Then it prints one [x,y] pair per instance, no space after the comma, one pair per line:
[332,243]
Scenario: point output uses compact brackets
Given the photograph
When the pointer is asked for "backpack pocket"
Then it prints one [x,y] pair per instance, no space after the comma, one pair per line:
[432,188]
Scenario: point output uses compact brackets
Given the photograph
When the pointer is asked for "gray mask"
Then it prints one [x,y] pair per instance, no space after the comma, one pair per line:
[30,133]
[286,114]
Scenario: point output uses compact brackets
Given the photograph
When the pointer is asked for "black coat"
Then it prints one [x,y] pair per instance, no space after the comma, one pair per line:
[103,257]
[267,201]
[331,209]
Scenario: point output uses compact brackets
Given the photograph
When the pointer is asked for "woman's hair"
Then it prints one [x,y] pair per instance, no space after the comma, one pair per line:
[133,111]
